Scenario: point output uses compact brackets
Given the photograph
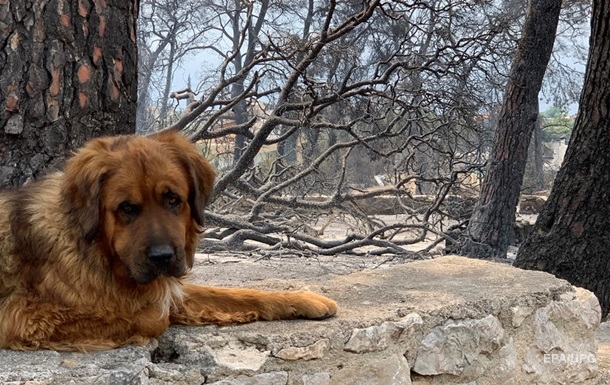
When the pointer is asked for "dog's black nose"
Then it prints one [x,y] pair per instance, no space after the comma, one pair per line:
[160,254]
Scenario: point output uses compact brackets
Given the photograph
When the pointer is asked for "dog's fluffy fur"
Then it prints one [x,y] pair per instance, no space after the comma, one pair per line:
[94,257]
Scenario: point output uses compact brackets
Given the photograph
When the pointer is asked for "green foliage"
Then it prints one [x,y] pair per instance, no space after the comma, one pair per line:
[556,124]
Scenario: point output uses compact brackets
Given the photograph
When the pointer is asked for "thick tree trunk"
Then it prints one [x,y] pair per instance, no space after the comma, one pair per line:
[68,73]
[491,226]
[571,237]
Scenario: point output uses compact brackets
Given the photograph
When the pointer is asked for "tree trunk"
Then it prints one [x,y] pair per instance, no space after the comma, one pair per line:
[491,226]
[571,237]
[239,110]
[145,72]
[533,179]
[68,74]
[171,59]
[538,157]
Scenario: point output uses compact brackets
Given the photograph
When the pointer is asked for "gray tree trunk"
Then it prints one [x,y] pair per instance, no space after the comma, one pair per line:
[68,73]
[491,226]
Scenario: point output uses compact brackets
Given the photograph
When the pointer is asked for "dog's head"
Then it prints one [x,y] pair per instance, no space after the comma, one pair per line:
[140,200]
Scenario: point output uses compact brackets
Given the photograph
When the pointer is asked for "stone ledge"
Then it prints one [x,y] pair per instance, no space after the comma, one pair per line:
[450,320]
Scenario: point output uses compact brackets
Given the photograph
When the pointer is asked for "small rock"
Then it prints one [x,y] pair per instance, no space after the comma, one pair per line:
[393,370]
[316,379]
[162,374]
[273,378]
[520,313]
[240,357]
[377,338]
[311,352]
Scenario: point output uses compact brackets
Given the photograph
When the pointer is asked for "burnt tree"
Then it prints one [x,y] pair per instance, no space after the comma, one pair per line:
[490,228]
[571,237]
[68,73]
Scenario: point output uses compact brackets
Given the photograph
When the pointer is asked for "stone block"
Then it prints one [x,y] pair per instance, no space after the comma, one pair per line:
[378,338]
[459,347]
[453,320]
[392,370]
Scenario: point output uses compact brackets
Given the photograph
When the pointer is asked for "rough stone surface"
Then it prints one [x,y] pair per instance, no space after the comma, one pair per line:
[311,352]
[121,366]
[378,338]
[558,353]
[603,353]
[316,379]
[449,320]
[392,370]
[240,357]
[520,313]
[459,347]
[274,378]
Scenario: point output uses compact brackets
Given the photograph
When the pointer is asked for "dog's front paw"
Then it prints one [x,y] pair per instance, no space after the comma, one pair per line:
[306,304]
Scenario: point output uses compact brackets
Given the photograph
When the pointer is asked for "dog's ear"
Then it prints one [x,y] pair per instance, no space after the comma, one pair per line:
[202,179]
[199,171]
[84,175]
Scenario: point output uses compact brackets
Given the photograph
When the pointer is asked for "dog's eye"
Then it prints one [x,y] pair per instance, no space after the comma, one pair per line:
[172,200]
[129,209]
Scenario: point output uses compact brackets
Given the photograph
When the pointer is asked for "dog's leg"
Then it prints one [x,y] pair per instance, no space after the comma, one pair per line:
[215,305]
[31,324]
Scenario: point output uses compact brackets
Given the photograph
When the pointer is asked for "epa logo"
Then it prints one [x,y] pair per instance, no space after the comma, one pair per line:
[569,358]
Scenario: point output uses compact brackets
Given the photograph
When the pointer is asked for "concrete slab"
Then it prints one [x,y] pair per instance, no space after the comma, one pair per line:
[465,320]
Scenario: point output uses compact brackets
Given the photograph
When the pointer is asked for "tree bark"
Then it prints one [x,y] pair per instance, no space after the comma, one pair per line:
[533,180]
[571,237]
[491,226]
[68,74]
[538,157]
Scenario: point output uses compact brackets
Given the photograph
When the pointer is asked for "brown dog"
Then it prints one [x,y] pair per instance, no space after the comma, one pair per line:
[93,258]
